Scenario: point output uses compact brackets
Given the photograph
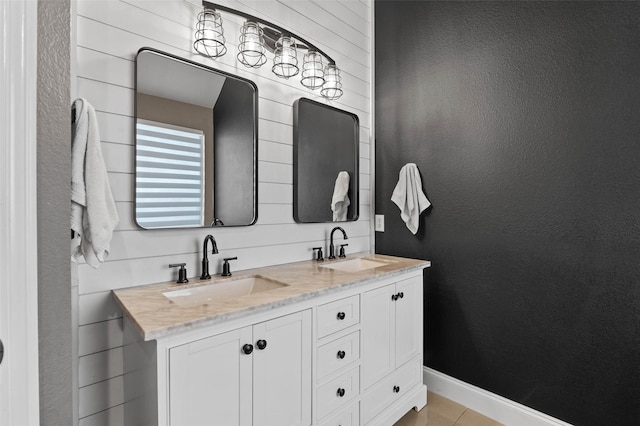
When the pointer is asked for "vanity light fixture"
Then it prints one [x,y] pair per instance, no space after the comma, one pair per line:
[312,70]
[285,61]
[251,51]
[257,36]
[332,87]
[209,36]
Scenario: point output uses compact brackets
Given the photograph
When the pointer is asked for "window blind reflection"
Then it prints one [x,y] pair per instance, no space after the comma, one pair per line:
[169,170]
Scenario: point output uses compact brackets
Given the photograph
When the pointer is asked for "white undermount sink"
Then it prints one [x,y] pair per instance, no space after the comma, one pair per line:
[354,265]
[221,290]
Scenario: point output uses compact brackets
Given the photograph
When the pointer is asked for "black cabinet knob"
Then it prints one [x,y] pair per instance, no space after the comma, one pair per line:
[396,389]
[247,349]
[400,295]
[341,354]
[341,316]
[261,344]
[340,392]
[394,297]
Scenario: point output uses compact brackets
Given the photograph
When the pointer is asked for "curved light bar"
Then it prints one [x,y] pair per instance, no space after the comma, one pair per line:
[258,35]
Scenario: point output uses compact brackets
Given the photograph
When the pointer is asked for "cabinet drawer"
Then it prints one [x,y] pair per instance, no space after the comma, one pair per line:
[391,388]
[348,417]
[338,315]
[337,354]
[338,392]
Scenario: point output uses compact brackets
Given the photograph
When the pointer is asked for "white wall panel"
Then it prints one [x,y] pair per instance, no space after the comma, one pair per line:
[107,97]
[116,128]
[273,214]
[114,416]
[100,336]
[160,243]
[100,366]
[101,396]
[119,158]
[276,132]
[109,35]
[121,186]
[359,8]
[138,21]
[275,193]
[98,307]
[273,110]
[275,152]
[275,172]
[364,149]
[125,213]
[358,40]
[98,66]
[345,11]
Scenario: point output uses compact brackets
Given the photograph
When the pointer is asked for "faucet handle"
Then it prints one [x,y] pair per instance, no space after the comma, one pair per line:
[342,250]
[226,270]
[182,272]
[319,257]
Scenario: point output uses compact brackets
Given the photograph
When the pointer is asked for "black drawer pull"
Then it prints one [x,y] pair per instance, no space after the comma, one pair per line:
[340,392]
[394,297]
[341,316]
[341,354]
[261,344]
[396,389]
[400,295]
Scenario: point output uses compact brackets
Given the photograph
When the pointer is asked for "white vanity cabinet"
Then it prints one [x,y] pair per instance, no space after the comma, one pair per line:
[346,353]
[337,360]
[391,343]
[211,379]
[256,375]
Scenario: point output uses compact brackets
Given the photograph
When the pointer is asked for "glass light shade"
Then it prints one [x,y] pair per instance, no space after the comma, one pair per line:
[332,87]
[209,36]
[285,61]
[312,70]
[251,51]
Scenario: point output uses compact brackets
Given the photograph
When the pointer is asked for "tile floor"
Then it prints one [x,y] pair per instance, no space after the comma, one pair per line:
[441,411]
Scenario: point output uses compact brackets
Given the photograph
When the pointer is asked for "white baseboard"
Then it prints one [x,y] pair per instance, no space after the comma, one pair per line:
[484,402]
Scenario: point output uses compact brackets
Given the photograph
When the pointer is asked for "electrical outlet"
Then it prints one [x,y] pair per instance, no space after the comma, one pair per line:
[379,223]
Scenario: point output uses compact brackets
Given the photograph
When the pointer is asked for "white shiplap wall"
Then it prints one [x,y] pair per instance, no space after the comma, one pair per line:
[109,34]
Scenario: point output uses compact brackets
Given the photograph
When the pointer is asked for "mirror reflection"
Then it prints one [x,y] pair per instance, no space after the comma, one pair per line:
[196,144]
[326,142]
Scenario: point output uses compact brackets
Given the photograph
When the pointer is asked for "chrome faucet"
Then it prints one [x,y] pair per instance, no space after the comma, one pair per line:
[332,249]
[205,260]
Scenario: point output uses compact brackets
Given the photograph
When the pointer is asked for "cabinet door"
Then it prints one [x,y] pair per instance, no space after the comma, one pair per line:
[378,329]
[210,381]
[408,320]
[282,371]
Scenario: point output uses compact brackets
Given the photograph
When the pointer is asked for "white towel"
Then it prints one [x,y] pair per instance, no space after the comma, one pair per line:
[93,211]
[409,197]
[340,200]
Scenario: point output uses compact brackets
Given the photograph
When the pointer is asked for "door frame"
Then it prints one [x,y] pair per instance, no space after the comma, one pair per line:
[19,376]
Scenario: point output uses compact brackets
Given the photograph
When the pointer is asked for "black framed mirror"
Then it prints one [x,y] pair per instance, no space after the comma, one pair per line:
[196,144]
[326,155]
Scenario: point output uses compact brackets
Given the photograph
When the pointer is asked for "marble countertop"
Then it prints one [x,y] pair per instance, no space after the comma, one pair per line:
[156,316]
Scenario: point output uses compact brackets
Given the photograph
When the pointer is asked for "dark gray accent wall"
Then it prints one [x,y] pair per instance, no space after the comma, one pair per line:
[54,203]
[524,119]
